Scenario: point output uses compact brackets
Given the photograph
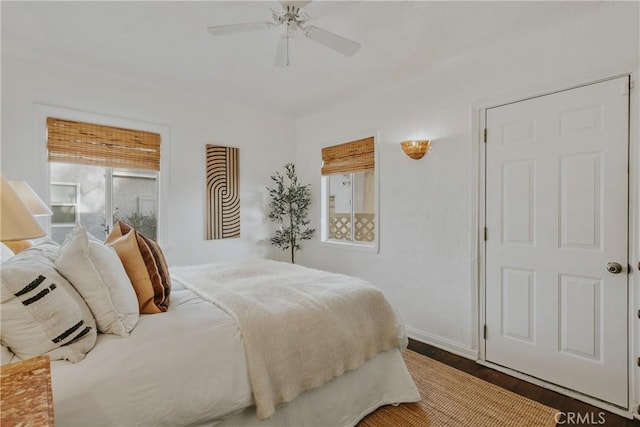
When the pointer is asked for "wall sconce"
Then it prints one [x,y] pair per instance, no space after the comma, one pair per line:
[415,149]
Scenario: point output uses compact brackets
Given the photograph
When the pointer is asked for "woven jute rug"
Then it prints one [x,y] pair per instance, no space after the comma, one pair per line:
[452,398]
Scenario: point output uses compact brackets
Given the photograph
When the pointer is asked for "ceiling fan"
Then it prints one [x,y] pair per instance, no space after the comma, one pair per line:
[293,18]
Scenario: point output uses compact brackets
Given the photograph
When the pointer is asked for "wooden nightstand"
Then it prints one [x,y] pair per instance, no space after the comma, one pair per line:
[25,393]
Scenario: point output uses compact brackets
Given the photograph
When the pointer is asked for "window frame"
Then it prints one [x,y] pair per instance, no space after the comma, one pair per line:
[370,247]
[42,111]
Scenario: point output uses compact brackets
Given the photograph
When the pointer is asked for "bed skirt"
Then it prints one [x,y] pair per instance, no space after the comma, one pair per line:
[343,401]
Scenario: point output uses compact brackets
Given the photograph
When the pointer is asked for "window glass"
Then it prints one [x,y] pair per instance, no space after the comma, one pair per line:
[64,193]
[340,207]
[96,197]
[64,199]
[63,214]
[351,202]
[134,199]
[86,206]
[364,215]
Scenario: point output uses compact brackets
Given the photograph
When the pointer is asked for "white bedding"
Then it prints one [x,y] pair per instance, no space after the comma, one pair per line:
[340,322]
[176,368]
[188,367]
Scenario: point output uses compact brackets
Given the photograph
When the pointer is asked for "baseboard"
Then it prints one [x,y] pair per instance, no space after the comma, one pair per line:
[443,343]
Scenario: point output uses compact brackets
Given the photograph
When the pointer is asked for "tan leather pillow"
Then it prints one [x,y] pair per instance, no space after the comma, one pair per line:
[156,252]
[141,269]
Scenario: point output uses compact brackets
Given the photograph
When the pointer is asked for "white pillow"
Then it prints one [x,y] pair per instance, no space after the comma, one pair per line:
[96,271]
[41,313]
[6,355]
[5,253]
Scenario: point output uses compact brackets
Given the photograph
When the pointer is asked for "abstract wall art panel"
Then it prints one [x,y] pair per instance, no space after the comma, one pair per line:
[223,192]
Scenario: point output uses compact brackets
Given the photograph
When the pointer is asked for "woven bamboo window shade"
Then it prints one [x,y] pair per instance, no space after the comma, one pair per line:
[349,157]
[90,144]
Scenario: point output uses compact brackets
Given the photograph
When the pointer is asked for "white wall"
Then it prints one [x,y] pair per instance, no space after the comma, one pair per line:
[427,260]
[266,143]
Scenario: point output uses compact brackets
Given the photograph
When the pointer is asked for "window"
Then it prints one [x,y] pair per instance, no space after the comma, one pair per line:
[64,203]
[349,199]
[101,174]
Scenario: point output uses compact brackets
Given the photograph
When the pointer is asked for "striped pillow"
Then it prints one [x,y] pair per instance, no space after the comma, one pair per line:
[145,264]
[41,312]
[158,257]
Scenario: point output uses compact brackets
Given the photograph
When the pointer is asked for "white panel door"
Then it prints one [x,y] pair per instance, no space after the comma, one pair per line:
[556,215]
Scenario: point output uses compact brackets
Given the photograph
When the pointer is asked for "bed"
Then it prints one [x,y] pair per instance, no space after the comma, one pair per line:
[190,365]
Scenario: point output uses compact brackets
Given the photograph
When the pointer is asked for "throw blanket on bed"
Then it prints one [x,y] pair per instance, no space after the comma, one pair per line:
[300,327]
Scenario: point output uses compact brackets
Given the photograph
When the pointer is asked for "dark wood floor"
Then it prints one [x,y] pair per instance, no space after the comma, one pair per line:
[563,403]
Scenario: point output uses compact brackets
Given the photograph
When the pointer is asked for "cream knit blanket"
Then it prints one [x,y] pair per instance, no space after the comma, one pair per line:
[300,327]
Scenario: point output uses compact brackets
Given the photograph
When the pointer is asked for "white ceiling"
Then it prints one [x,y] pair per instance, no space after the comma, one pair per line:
[166,43]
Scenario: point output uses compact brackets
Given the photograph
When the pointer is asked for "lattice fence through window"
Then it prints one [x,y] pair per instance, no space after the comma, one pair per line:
[340,227]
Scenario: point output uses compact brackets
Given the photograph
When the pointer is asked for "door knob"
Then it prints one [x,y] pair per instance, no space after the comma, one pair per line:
[614,267]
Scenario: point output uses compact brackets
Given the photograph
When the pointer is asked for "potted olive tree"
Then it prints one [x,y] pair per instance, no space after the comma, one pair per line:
[289,208]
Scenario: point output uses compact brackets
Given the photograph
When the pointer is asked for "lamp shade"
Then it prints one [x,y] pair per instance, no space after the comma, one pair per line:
[29,197]
[16,221]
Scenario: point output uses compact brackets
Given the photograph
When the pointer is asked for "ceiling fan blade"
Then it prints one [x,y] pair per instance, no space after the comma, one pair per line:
[221,30]
[318,9]
[283,54]
[332,41]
